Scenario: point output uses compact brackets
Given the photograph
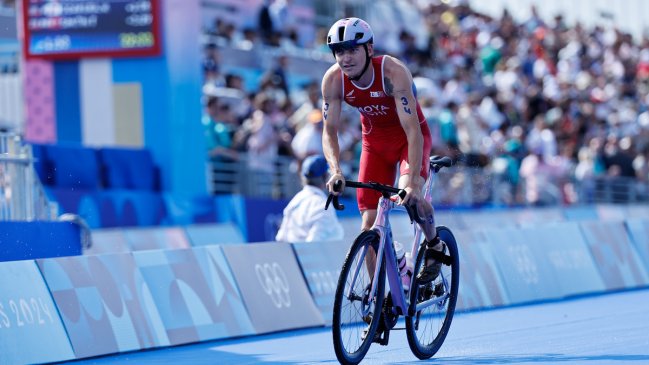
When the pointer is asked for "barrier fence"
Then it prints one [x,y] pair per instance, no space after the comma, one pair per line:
[457,186]
[68,308]
[22,197]
[11,89]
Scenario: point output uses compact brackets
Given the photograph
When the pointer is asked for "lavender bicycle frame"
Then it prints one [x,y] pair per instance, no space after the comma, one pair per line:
[382,227]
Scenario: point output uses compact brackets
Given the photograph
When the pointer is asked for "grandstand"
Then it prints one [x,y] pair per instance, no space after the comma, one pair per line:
[125,173]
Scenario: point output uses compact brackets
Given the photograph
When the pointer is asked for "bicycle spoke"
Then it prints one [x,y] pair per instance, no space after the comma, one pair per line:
[354,304]
[434,303]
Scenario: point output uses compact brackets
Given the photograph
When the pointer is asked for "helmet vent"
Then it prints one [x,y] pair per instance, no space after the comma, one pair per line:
[358,36]
[341,34]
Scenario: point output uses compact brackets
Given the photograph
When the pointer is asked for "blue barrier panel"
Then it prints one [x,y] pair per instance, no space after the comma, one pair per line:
[611,212]
[232,208]
[616,259]
[536,216]
[104,303]
[221,281]
[33,240]
[191,310]
[321,263]
[524,272]
[639,233]
[109,240]
[30,327]
[565,252]
[211,234]
[140,239]
[272,287]
[638,211]
[487,220]
[112,208]
[480,282]
[451,219]
[580,213]
[183,210]
[264,217]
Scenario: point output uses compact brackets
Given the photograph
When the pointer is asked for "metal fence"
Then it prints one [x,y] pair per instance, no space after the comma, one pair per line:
[456,186]
[22,197]
[11,89]
[613,190]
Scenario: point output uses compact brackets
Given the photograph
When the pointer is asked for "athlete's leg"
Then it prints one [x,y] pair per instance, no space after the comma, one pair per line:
[433,244]
[424,208]
[381,168]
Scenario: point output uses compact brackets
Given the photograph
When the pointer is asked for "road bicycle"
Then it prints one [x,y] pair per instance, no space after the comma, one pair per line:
[362,313]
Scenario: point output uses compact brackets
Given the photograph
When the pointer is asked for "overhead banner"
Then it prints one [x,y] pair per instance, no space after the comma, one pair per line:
[616,259]
[105,304]
[272,287]
[193,308]
[30,327]
[321,263]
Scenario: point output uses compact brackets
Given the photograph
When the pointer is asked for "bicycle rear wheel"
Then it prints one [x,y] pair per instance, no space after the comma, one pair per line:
[428,327]
[356,316]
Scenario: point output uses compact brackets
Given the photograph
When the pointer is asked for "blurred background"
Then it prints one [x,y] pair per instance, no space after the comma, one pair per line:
[145,144]
[541,104]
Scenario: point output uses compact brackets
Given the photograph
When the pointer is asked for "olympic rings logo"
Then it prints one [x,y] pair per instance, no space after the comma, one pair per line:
[525,263]
[274,282]
[323,282]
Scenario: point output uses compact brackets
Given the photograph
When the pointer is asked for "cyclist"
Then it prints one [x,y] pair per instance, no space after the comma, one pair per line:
[394,128]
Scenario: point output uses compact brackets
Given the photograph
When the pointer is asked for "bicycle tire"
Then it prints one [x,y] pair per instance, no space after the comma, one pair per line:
[418,341]
[345,354]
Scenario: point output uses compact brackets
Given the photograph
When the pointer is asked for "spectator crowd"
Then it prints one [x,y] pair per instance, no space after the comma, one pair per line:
[539,105]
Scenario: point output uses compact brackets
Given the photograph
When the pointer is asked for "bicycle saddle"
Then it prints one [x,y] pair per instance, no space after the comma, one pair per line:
[444,161]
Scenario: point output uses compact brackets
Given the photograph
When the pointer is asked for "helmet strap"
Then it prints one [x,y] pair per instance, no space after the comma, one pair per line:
[367,64]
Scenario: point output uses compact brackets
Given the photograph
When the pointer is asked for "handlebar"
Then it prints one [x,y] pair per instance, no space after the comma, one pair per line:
[386,190]
[436,164]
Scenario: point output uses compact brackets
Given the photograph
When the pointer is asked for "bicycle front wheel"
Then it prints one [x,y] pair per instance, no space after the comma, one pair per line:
[356,314]
[427,328]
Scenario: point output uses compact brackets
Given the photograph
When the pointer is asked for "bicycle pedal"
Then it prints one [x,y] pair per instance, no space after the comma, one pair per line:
[382,338]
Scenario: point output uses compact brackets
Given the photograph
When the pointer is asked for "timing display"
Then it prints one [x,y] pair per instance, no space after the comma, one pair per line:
[86,28]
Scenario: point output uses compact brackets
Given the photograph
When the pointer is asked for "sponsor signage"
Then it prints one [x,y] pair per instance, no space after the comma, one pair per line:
[480,281]
[30,327]
[321,263]
[105,304]
[272,287]
[194,293]
[616,258]
[524,272]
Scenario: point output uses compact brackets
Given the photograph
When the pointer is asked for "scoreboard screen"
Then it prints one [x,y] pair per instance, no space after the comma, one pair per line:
[69,29]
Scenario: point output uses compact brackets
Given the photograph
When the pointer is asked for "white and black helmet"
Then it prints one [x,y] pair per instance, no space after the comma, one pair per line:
[348,33]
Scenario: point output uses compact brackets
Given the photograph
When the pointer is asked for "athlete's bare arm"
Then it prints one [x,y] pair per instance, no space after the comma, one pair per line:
[331,105]
[398,83]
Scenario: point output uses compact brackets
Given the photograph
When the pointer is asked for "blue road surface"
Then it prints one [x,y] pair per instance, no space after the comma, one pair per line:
[607,329]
